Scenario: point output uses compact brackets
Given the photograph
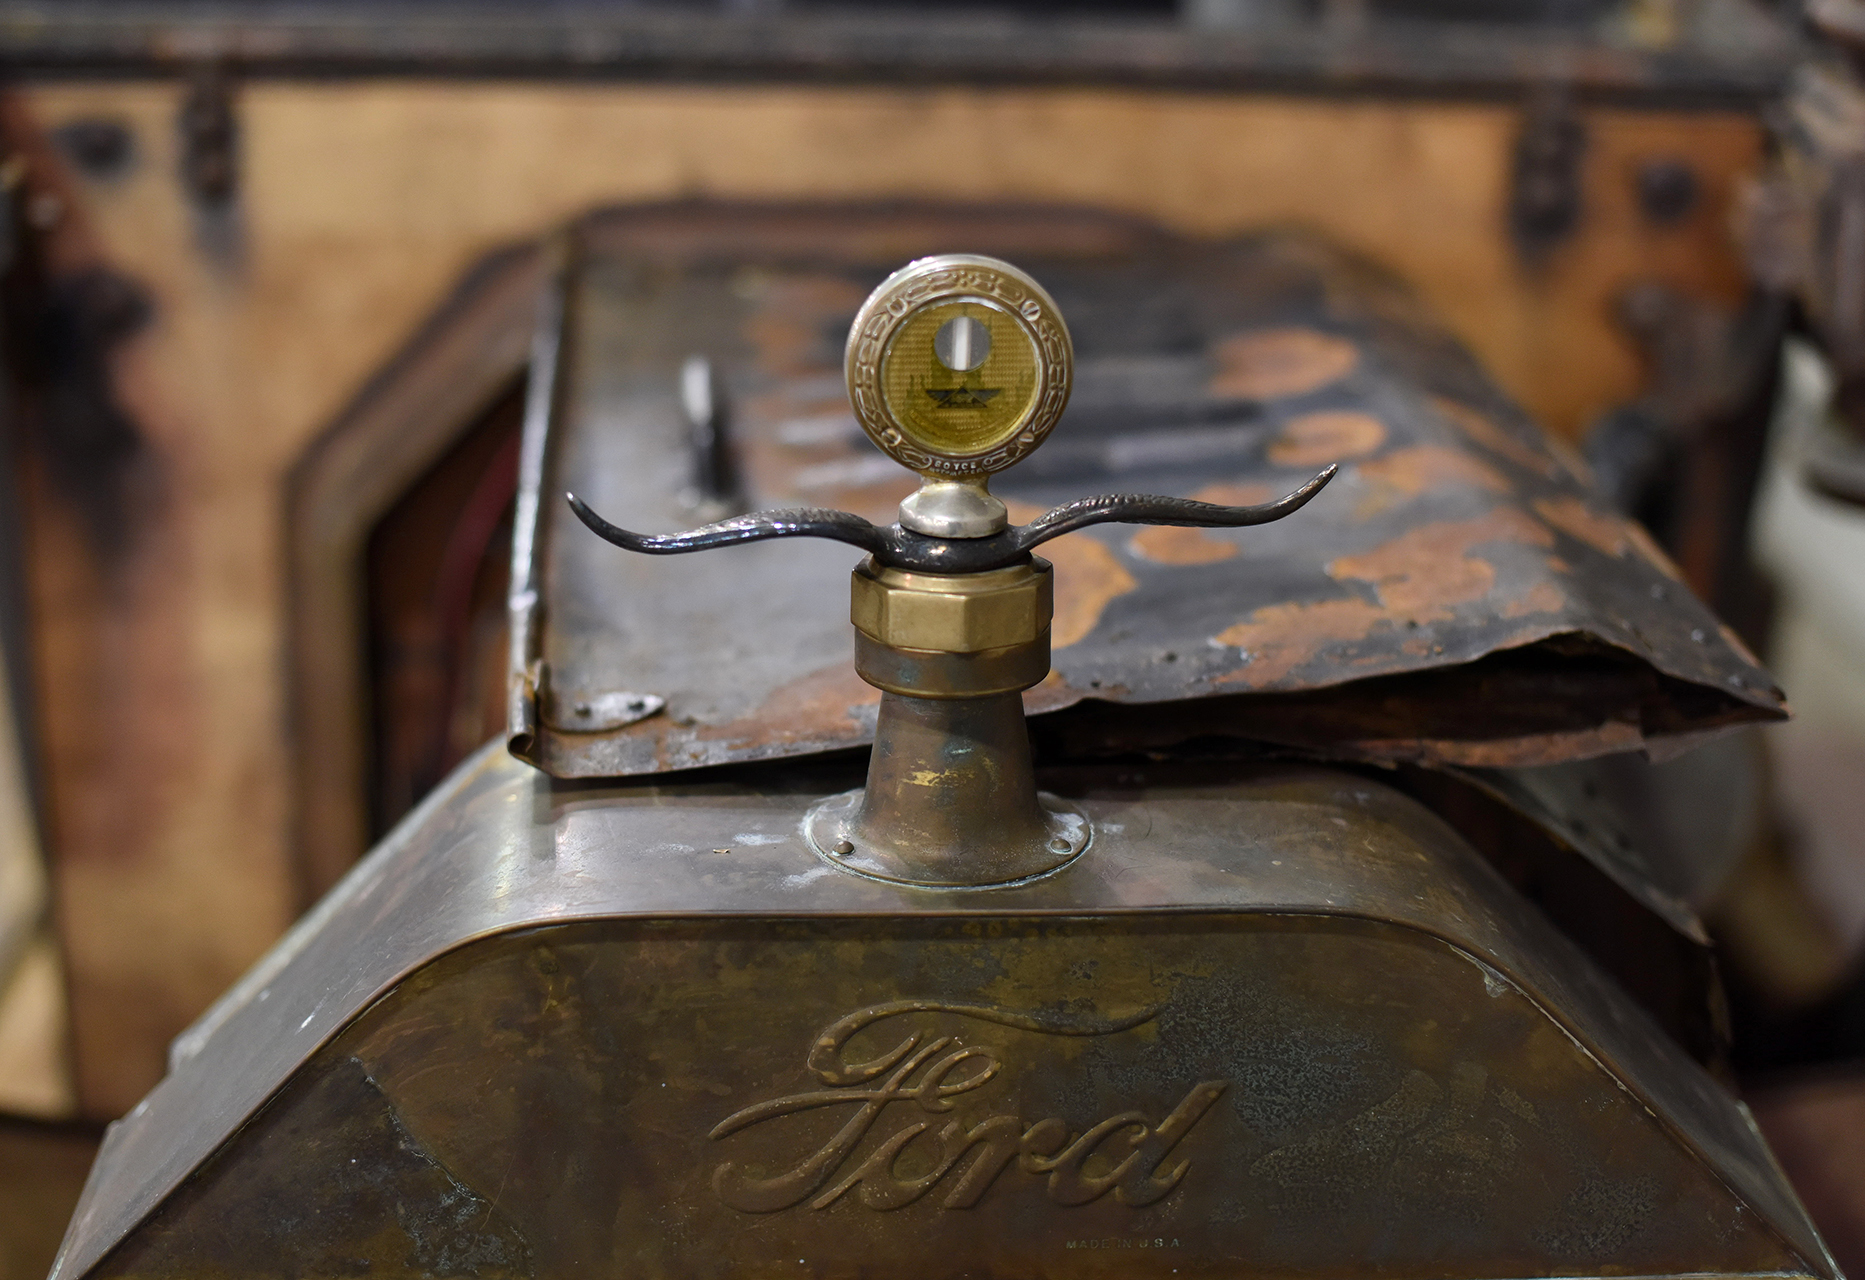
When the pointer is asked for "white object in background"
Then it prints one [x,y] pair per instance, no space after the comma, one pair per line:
[35,1075]
[22,869]
[1814,549]
[35,1068]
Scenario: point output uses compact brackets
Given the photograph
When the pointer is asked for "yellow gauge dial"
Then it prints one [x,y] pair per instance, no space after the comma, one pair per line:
[960,377]
[958,366]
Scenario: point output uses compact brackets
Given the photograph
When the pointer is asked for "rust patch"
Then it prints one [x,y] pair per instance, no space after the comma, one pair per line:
[1605,532]
[1168,544]
[1429,466]
[1419,577]
[1236,495]
[1052,694]
[1482,430]
[1543,597]
[1316,439]
[1269,364]
[1281,637]
[1088,575]
[819,707]
[1606,738]
[1424,571]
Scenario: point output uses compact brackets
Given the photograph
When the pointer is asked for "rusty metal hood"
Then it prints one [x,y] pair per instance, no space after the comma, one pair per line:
[1456,596]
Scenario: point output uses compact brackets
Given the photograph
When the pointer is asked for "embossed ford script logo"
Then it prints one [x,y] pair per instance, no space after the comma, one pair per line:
[1126,1153]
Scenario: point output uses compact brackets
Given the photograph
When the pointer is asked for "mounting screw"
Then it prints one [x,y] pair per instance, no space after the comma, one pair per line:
[1061,844]
[842,848]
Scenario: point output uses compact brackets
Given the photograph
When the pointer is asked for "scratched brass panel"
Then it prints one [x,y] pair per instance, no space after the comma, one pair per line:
[1148,1096]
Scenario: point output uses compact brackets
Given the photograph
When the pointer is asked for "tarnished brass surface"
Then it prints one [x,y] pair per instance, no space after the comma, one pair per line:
[1195,1096]
[950,799]
[513,1020]
[958,613]
[951,796]
[933,673]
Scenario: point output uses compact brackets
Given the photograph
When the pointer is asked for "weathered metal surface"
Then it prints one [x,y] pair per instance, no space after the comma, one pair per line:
[950,799]
[1079,1099]
[1668,833]
[1622,912]
[1354,1019]
[1721,53]
[1455,596]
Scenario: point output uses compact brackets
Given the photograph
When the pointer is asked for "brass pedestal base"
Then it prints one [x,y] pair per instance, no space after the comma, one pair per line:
[951,797]
[951,800]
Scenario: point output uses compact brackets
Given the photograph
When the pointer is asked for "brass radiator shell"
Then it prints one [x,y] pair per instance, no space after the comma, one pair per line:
[549,1028]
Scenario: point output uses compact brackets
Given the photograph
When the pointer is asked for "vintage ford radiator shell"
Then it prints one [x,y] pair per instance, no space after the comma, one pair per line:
[556,1029]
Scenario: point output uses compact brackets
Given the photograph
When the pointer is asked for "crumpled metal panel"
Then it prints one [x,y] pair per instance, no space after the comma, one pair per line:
[1456,596]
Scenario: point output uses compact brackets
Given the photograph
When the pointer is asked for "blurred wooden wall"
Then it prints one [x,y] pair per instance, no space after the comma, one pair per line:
[357,206]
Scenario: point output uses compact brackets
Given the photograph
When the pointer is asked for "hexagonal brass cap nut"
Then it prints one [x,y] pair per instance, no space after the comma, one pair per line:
[956,613]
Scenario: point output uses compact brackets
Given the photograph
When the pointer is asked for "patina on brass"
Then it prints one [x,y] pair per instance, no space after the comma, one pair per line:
[941,674]
[951,797]
[1279,1022]
[958,613]
[957,367]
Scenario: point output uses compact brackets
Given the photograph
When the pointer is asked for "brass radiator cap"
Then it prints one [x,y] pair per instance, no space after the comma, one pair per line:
[960,613]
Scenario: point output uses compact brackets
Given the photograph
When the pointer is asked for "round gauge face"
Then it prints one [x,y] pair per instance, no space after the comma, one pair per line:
[960,377]
[958,365]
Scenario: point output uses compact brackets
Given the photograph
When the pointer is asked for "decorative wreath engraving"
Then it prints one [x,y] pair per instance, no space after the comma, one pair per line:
[937,279]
